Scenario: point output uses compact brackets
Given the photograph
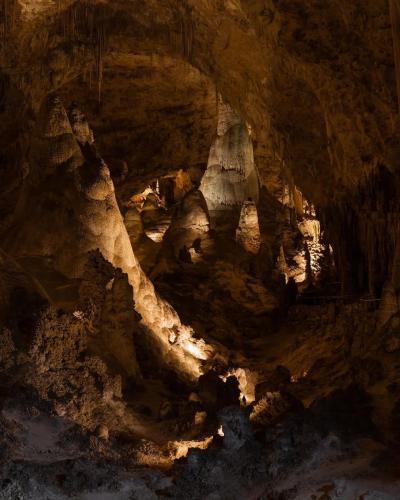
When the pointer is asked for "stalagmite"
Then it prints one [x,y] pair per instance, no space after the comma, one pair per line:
[190,225]
[301,215]
[84,217]
[231,176]
[248,231]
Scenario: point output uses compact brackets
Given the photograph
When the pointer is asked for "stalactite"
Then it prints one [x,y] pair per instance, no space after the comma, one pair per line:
[185,31]
[100,45]
[8,17]
[395,21]
[363,233]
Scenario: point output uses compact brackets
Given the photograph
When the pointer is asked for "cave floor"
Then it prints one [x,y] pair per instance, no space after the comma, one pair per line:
[53,458]
[324,347]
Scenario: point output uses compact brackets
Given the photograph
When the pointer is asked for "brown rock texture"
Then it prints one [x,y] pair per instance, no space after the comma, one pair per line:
[319,95]
[199,249]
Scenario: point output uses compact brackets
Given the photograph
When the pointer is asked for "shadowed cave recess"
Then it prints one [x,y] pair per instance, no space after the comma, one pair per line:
[199,249]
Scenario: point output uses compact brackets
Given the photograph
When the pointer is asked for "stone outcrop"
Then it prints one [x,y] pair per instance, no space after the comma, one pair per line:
[288,91]
[76,361]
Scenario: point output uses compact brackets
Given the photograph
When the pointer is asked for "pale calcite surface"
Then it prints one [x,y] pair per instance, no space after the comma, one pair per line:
[231,176]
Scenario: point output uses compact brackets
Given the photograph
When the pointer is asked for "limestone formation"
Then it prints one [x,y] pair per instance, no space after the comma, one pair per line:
[190,225]
[80,126]
[248,231]
[199,249]
[231,176]
[83,194]
[145,248]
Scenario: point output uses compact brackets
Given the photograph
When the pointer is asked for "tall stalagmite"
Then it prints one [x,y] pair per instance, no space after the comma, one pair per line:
[68,179]
[231,176]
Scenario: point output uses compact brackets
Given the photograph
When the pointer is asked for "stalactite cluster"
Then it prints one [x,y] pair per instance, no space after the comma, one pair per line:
[363,232]
[395,22]
[181,34]
[86,22]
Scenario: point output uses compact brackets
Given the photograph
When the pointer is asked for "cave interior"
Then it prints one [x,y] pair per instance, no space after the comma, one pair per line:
[199,252]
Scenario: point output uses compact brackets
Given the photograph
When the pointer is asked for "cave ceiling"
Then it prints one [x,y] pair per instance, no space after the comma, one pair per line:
[267,58]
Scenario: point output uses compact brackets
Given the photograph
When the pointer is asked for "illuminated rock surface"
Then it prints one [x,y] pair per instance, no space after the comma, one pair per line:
[248,231]
[231,176]
[199,249]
